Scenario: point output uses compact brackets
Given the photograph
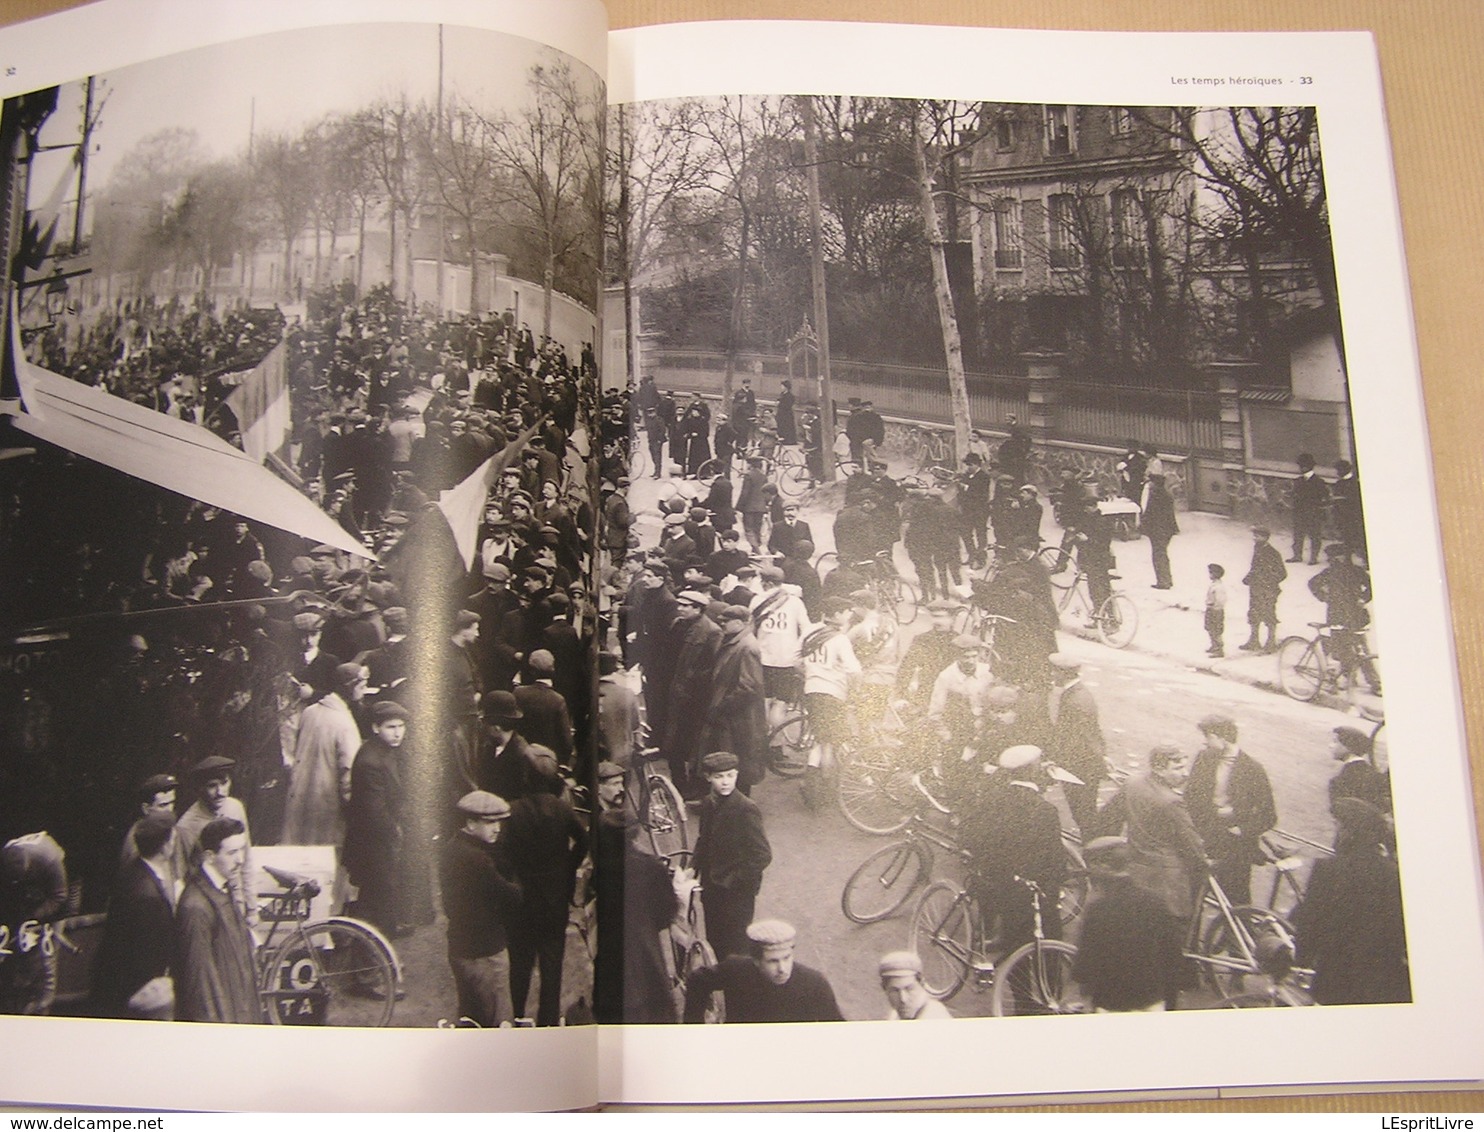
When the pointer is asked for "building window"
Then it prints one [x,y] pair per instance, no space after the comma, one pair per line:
[1004,133]
[1128,228]
[1123,120]
[1065,248]
[1007,232]
[1061,137]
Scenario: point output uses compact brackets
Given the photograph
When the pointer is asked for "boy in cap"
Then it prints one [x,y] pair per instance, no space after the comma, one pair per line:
[480,898]
[212,780]
[901,982]
[376,820]
[732,851]
[1357,778]
[1263,581]
[765,984]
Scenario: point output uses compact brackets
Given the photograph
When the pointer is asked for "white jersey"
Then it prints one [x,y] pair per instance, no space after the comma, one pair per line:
[780,623]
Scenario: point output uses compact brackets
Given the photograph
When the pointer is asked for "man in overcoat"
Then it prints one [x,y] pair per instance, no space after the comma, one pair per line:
[1231,803]
[215,976]
[375,820]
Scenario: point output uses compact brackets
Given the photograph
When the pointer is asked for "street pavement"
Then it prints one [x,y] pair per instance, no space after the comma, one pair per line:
[1153,691]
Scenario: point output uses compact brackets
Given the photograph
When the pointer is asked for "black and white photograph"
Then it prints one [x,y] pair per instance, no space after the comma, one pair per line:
[297,534]
[984,527]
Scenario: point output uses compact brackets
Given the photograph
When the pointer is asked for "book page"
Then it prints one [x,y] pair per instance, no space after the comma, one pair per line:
[1171,378]
[299,393]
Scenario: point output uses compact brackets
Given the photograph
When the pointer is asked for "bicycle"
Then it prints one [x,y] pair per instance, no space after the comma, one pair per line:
[689,950]
[1326,662]
[333,972]
[883,883]
[949,935]
[930,449]
[660,807]
[1116,619]
[1036,978]
[876,785]
[976,621]
[1290,868]
[1245,953]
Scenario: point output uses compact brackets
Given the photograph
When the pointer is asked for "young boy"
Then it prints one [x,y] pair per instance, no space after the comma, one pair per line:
[1216,609]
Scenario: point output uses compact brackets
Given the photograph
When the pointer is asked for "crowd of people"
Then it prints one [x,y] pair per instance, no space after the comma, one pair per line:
[428,722]
[728,629]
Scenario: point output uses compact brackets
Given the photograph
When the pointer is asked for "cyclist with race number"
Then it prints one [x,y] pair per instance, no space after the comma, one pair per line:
[780,622]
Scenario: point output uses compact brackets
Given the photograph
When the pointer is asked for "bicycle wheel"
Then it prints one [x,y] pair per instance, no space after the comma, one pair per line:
[793,475]
[1272,945]
[874,792]
[789,745]
[905,597]
[1037,979]
[943,937]
[826,564]
[1074,887]
[665,816]
[1056,562]
[338,972]
[712,468]
[1117,620]
[883,882]
[1301,667]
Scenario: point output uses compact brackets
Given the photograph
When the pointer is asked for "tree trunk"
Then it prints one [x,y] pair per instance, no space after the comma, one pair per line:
[548,284]
[953,350]
[474,295]
[734,327]
[817,280]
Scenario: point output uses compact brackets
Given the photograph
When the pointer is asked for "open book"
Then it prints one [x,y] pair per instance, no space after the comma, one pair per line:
[516,537]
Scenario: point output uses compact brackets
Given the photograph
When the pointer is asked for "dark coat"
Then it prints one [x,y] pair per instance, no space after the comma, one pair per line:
[737,716]
[693,646]
[785,536]
[1252,804]
[751,997]
[1129,950]
[1166,856]
[1357,887]
[212,963]
[1075,740]
[545,842]
[480,897]
[1267,571]
[1015,832]
[1359,779]
[374,818]
[1158,520]
[546,721]
[137,939]
[783,416]
[507,772]
[732,848]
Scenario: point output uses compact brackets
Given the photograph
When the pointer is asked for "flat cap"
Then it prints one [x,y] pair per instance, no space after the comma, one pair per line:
[349,675]
[967,642]
[899,963]
[733,613]
[384,710]
[771,933]
[308,622]
[770,574]
[541,660]
[1022,754]
[1354,740]
[395,617]
[465,618]
[483,804]
[719,762]
[212,764]
[497,572]
[1360,820]
[694,597]
[675,520]
[158,784]
[607,770]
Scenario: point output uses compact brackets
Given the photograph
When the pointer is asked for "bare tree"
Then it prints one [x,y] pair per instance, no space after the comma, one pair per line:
[393,135]
[284,176]
[550,152]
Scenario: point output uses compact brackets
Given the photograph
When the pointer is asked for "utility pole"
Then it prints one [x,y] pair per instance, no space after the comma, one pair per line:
[816,279]
[438,140]
[82,166]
